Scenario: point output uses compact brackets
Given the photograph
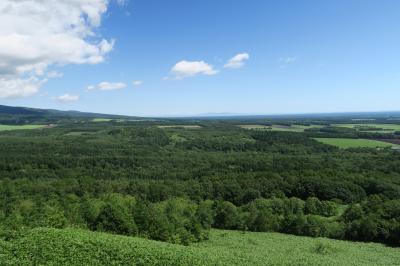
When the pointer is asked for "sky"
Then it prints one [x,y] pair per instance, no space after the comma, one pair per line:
[191,57]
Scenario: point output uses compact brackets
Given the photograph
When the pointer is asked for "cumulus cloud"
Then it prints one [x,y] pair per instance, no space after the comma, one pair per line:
[17,87]
[184,69]
[67,98]
[35,34]
[137,83]
[107,86]
[237,61]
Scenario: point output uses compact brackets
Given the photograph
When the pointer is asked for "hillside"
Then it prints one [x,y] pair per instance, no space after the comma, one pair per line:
[44,246]
[25,115]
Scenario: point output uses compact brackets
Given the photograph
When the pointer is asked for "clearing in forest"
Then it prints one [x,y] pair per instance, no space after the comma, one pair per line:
[19,127]
[344,143]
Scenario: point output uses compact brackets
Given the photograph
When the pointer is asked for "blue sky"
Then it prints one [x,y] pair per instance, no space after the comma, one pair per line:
[302,57]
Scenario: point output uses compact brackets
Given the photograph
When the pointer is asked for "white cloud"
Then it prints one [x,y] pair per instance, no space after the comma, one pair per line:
[54,74]
[237,61]
[137,83]
[35,34]
[18,87]
[67,98]
[107,86]
[184,69]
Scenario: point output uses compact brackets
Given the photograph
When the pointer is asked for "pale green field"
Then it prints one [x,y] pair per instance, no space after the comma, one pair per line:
[101,119]
[388,128]
[354,143]
[19,127]
[292,128]
[46,246]
[181,126]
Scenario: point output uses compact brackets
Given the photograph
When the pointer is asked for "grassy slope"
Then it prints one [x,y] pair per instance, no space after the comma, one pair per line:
[79,247]
[354,143]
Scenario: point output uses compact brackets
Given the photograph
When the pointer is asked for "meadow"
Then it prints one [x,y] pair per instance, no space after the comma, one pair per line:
[19,127]
[344,143]
[101,119]
[45,246]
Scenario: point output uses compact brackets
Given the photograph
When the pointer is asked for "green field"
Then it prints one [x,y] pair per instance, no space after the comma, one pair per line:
[19,127]
[43,246]
[354,143]
[383,128]
[181,126]
[101,119]
[291,128]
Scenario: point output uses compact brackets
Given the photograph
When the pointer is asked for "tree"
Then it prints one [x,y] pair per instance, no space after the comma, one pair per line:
[227,216]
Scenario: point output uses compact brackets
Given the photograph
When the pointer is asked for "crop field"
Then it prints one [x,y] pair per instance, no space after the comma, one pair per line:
[19,127]
[383,128]
[354,143]
[291,128]
[44,246]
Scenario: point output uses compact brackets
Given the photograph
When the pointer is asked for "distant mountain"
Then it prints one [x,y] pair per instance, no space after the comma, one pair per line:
[10,110]
[335,115]
[24,115]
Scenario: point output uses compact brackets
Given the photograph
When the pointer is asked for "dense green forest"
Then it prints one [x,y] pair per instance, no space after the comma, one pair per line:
[175,183]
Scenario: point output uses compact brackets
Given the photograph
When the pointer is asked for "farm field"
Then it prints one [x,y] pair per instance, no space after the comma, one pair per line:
[387,128]
[291,128]
[44,246]
[181,126]
[101,119]
[354,143]
[19,127]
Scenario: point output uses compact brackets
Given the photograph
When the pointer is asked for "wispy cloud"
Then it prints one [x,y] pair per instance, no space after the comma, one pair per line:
[284,61]
[54,74]
[137,83]
[237,61]
[67,98]
[122,2]
[107,86]
[287,60]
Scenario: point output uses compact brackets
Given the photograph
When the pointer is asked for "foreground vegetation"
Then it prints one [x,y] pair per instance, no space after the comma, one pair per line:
[44,246]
